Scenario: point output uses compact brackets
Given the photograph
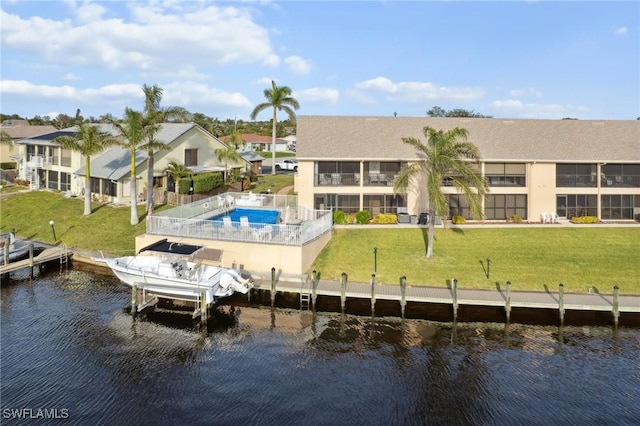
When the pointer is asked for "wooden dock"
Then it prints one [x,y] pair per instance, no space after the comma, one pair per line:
[50,254]
[308,290]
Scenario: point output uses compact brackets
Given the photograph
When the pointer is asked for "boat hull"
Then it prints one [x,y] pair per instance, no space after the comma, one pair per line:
[179,279]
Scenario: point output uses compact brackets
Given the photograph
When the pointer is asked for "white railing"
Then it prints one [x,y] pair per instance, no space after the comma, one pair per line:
[298,225]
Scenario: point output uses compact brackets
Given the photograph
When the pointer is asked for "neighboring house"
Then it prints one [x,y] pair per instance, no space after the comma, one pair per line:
[567,167]
[291,141]
[255,142]
[46,165]
[19,129]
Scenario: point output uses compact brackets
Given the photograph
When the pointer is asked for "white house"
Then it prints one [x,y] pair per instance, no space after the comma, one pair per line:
[47,165]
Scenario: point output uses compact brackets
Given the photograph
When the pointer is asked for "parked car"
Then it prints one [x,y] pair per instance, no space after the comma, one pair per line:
[287,164]
[292,146]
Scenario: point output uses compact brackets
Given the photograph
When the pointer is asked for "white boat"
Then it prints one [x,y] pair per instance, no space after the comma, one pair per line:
[17,249]
[172,277]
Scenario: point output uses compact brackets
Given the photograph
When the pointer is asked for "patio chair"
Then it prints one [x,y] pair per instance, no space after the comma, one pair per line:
[544,218]
[554,218]
[264,234]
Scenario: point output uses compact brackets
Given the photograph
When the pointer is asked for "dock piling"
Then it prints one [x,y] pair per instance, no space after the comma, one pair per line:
[273,286]
[373,294]
[314,288]
[343,291]
[134,300]
[454,298]
[203,309]
[507,302]
[403,294]
[561,303]
[616,305]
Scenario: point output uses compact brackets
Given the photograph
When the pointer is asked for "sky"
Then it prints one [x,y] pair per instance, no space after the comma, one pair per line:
[515,59]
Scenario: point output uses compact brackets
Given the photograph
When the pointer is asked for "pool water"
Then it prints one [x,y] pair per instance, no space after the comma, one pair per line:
[254,215]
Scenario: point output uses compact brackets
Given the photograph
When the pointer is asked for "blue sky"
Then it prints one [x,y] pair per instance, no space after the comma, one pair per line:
[534,59]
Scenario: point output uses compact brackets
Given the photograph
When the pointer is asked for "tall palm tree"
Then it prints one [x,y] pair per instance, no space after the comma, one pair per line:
[226,154]
[135,130]
[88,141]
[235,139]
[446,155]
[278,98]
[177,171]
[155,114]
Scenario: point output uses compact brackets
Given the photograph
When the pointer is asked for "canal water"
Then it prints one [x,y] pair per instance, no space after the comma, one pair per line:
[70,354]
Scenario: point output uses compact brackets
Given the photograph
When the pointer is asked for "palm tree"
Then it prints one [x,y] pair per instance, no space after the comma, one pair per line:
[135,130]
[155,114]
[444,156]
[278,98]
[226,154]
[5,138]
[88,141]
[235,139]
[177,171]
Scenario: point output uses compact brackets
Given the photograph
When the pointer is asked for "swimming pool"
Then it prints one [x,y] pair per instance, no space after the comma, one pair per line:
[254,215]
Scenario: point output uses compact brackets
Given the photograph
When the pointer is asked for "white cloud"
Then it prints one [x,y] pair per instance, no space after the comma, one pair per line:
[418,92]
[532,92]
[297,65]
[517,109]
[152,39]
[317,96]
[621,31]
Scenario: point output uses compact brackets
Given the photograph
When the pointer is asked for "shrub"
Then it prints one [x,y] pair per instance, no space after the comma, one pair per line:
[385,218]
[458,220]
[338,217]
[350,219]
[514,218]
[584,219]
[363,217]
[9,165]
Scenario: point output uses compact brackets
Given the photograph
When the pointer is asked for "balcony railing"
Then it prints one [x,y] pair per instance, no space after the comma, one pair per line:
[354,179]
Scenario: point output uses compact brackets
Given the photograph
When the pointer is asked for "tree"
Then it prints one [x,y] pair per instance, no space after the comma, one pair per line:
[444,157]
[135,131]
[235,139]
[155,114]
[226,154]
[5,138]
[177,171]
[88,141]
[436,111]
[278,98]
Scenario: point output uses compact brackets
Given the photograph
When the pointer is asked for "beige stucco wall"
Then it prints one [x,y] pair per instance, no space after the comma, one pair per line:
[255,257]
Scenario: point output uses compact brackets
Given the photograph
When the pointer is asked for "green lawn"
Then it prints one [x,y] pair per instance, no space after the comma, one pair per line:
[528,257]
[531,258]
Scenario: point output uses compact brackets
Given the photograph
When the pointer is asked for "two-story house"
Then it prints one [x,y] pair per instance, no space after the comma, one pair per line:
[567,167]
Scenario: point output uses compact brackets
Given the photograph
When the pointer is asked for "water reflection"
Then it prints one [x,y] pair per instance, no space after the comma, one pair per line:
[68,341]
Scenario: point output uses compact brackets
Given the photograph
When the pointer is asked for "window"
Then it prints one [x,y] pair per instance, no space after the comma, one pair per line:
[505,174]
[620,206]
[65,157]
[458,206]
[581,205]
[52,179]
[109,187]
[95,185]
[190,157]
[502,206]
[574,175]
[383,203]
[65,181]
[620,175]
[55,155]
[348,203]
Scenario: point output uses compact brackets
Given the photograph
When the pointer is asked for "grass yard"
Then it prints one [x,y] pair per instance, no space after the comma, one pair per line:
[531,258]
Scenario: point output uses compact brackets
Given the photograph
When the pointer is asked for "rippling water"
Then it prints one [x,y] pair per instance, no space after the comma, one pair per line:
[67,345]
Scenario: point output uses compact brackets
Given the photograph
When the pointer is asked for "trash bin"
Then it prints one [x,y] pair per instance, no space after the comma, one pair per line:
[414,219]
[423,219]
[403,218]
